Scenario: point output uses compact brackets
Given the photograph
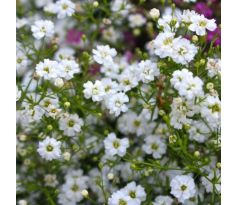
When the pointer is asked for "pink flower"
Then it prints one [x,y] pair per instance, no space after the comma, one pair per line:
[74,36]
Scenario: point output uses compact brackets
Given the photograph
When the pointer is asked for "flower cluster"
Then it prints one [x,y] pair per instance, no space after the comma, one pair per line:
[118,102]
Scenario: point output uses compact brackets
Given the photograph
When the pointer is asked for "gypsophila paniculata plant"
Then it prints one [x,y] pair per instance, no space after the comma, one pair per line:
[118,102]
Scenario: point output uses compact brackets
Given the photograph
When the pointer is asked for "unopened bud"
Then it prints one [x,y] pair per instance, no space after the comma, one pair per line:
[154,13]
[196,153]
[67,156]
[95,4]
[67,104]
[110,176]
[195,38]
[172,139]
[59,82]
[84,193]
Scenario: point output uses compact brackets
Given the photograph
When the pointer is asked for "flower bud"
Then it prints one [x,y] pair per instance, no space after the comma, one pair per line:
[196,153]
[67,156]
[209,86]
[95,4]
[195,38]
[218,165]
[49,127]
[172,139]
[84,192]
[110,176]
[22,202]
[23,137]
[136,32]
[59,82]
[67,104]
[154,13]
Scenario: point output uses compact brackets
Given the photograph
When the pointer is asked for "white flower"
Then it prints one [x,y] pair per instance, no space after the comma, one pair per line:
[119,198]
[111,35]
[169,23]
[64,8]
[110,87]
[136,20]
[163,44]
[67,69]
[200,24]
[116,103]
[147,71]
[136,193]
[104,55]
[187,85]
[121,6]
[52,111]
[211,111]
[49,149]
[184,51]
[199,131]
[183,187]
[71,124]
[115,146]
[163,200]
[111,70]
[154,145]
[50,180]
[47,69]
[21,62]
[95,91]
[43,28]
[154,13]
[213,67]
[128,79]
[208,184]
[22,202]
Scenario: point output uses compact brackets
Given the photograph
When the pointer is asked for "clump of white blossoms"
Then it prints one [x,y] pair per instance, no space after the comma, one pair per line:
[183,187]
[64,8]
[70,124]
[115,146]
[95,91]
[213,67]
[104,55]
[49,149]
[148,71]
[154,145]
[43,28]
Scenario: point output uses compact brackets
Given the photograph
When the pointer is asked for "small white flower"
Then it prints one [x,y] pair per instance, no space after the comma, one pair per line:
[136,20]
[136,193]
[49,149]
[119,198]
[47,69]
[163,44]
[95,91]
[200,24]
[67,69]
[104,55]
[213,67]
[154,145]
[184,51]
[71,124]
[183,187]
[147,71]
[64,8]
[163,200]
[43,28]
[50,180]
[115,146]
[116,103]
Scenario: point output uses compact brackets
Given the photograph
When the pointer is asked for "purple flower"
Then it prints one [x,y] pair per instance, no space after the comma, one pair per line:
[202,8]
[74,36]
[212,34]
